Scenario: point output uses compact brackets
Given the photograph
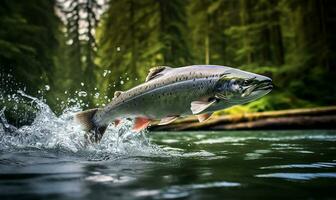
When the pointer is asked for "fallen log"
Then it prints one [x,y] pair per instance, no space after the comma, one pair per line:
[278,117]
[305,122]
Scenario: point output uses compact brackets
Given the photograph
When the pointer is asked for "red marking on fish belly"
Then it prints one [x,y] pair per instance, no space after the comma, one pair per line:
[140,123]
[117,122]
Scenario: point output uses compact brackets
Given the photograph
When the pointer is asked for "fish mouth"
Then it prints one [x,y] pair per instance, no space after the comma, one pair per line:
[264,85]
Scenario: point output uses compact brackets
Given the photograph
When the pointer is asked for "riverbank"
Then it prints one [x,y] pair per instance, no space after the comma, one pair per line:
[307,118]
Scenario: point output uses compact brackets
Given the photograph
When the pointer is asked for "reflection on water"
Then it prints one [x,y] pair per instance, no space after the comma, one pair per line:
[311,165]
[178,191]
[298,176]
[49,159]
[178,165]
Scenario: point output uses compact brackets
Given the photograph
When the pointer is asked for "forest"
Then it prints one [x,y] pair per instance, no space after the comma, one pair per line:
[85,50]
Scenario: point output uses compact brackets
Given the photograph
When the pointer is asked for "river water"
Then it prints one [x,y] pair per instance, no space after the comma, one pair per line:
[49,159]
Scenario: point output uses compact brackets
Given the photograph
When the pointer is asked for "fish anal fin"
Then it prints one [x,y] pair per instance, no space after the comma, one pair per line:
[167,120]
[204,117]
[199,106]
[140,123]
[156,72]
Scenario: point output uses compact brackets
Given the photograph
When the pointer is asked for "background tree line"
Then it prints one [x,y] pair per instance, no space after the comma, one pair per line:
[90,48]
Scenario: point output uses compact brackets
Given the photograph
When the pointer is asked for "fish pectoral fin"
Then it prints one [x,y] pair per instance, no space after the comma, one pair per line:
[156,72]
[204,117]
[140,123]
[199,106]
[167,120]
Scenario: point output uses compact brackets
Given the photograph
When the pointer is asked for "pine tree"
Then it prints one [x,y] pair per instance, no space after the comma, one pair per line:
[91,8]
[172,26]
[141,34]
[70,10]
[28,41]
[80,19]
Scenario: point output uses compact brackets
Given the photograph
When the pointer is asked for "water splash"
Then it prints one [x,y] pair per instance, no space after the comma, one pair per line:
[60,133]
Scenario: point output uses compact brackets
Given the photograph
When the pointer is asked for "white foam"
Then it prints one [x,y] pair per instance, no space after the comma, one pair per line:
[61,133]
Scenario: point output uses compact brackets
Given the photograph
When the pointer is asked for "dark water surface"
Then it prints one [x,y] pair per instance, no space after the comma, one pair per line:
[179,165]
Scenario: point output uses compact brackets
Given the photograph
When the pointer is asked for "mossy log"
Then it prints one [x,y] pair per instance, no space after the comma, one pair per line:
[320,117]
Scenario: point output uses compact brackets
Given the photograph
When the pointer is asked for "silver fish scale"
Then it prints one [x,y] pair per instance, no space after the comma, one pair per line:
[159,82]
[168,95]
[169,100]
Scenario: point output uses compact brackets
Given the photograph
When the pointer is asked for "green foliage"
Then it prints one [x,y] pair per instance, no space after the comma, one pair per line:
[137,35]
[28,41]
[291,41]
[78,49]
[275,101]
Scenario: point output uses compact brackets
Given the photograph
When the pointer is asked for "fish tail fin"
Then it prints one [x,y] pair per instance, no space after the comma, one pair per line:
[94,132]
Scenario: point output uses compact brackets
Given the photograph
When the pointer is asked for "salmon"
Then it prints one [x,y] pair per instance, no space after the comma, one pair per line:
[169,93]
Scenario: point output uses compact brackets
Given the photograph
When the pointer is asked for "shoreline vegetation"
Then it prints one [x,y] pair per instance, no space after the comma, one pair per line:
[304,118]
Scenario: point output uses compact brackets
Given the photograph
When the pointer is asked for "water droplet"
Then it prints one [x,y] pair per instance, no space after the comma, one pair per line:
[82,84]
[106,72]
[118,49]
[47,87]
[122,82]
[82,94]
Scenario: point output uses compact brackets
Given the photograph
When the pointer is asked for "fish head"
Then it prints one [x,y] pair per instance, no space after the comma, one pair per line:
[239,87]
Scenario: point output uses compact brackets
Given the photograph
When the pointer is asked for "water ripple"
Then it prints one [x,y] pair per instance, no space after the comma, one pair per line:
[180,191]
[60,133]
[297,176]
[311,165]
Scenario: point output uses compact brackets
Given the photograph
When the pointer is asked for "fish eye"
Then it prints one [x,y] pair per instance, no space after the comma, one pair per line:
[245,82]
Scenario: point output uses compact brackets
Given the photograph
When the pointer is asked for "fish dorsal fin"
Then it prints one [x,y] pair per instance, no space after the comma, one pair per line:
[204,117]
[167,120]
[117,94]
[199,106]
[156,72]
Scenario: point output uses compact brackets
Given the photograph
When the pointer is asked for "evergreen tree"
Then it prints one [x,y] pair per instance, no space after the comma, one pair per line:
[292,41]
[80,19]
[28,39]
[150,33]
[172,26]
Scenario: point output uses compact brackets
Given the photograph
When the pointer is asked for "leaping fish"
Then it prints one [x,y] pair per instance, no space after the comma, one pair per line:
[169,93]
